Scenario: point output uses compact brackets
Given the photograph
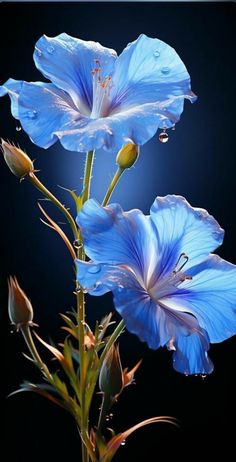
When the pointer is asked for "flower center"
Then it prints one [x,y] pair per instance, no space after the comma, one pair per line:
[167,284]
[100,93]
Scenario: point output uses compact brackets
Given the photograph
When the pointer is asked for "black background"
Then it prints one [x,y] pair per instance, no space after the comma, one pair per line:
[197,162]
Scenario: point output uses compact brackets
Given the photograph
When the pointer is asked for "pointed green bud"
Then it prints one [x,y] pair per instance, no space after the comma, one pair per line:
[19,307]
[111,381]
[18,162]
[127,156]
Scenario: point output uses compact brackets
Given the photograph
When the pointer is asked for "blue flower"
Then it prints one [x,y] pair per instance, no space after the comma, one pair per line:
[166,286]
[97,99]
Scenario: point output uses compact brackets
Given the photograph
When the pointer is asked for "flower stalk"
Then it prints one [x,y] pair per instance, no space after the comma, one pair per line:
[87,175]
[25,330]
[81,314]
[112,185]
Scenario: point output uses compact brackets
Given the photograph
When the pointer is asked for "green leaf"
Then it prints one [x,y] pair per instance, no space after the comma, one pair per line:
[72,328]
[78,199]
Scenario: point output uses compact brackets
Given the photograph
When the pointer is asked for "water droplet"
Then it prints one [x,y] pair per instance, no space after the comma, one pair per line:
[123,443]
[77,244]
[107,418]
[50,49]
[38,52]
[156,53]
[203,376]
[173,128]
[111,415]
[165,70]
[18,128]
[94,269]
[100,327]
[32,114]
[163,137]
[186,374]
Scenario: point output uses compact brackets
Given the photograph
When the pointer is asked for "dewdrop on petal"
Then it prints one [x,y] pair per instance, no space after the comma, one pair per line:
[127,156]
[19,307]
[18,162]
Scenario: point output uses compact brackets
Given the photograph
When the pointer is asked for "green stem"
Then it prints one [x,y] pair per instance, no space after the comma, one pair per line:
[112,185]
[37,183]
[25,330]
[87,175]
[81,316]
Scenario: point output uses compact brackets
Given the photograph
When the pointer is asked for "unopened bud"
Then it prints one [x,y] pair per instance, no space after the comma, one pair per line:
[19,307]
[127,156]
[18,162]
[111,374]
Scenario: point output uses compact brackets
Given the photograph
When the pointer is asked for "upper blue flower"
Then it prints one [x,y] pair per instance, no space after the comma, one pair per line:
[97,99]
[166,286]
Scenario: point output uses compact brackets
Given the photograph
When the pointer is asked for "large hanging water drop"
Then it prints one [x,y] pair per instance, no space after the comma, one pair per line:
[163,137]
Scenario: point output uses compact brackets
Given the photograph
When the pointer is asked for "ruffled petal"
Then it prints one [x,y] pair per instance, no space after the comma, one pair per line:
[12,88]
[43,110]
[115,237]
[181,229]
[136,125]
[148,70]
[210,296]
[68,63]
[190,355]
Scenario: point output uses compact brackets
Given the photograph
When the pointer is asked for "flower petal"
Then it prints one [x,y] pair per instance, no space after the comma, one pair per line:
[12,87]
[191,356]
[98,279]
[141,315]
[148,70]
[183,229]
[115,237]
[68,63]
[158,326]
[44,109]
[211,297]
[136,125]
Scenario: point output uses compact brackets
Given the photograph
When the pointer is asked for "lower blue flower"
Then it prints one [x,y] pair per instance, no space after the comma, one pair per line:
[167,286]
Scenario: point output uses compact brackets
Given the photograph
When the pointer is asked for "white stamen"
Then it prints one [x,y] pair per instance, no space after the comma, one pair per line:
[167,284]
[100,93]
